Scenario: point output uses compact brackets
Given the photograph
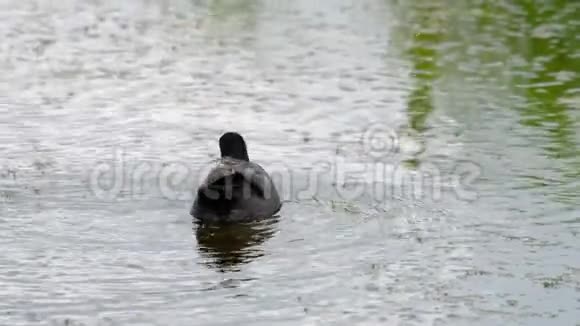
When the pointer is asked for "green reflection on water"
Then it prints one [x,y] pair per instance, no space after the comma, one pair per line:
[423,27]
[544,58]
[549,45]
[229,17]
[528,51]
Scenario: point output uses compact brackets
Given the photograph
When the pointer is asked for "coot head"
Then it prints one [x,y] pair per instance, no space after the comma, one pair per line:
[233,145]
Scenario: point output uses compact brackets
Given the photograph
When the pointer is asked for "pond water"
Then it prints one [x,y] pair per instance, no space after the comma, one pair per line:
[427,153]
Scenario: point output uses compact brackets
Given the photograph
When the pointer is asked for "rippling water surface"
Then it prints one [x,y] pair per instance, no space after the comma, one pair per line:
[427,151]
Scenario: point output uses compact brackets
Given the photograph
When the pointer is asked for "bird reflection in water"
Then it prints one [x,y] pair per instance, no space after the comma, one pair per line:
[226,247]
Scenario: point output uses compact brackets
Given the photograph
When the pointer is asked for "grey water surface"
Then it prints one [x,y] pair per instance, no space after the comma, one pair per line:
[427,153]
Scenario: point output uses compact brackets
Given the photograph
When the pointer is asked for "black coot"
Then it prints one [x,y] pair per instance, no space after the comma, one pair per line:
[236,190]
